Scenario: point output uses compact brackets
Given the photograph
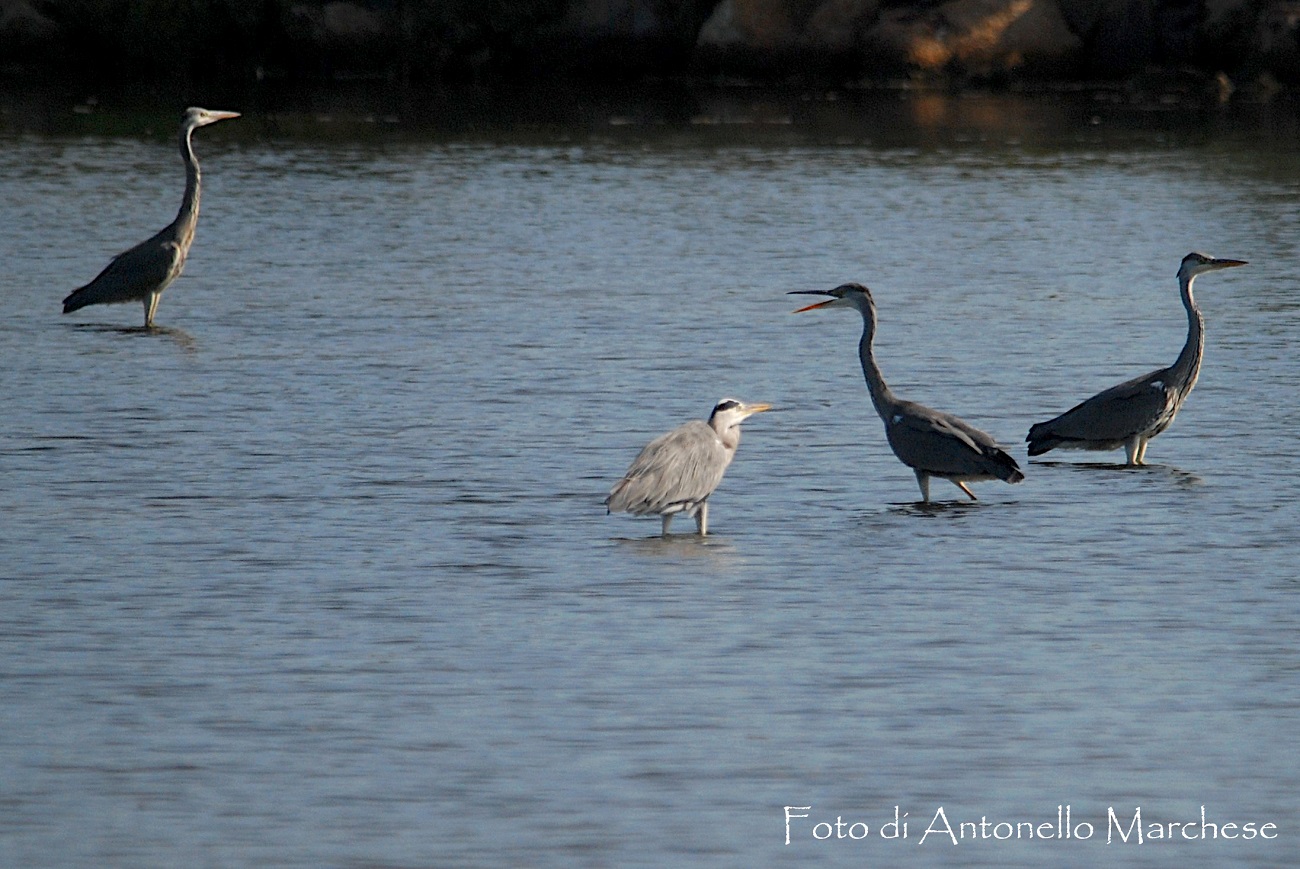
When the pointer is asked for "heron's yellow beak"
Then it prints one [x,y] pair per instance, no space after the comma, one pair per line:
[757,408]
[1229,263]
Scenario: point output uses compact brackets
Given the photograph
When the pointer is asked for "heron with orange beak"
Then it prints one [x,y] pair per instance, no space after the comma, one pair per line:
[930,442]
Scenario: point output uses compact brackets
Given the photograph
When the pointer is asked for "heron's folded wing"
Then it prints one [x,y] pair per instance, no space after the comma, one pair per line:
[941,443]
[1116,413]
[131,275]
[681,467]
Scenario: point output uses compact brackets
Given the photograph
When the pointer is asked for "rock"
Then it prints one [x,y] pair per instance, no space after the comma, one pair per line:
[1040,39]
[1221,12]
[1121,35]
[613,18]
[341,24]
[1276,38]
[21,23]
[838,26]
[1124,38]
[782,40]
[1081,16]
[977,37]
[753,25]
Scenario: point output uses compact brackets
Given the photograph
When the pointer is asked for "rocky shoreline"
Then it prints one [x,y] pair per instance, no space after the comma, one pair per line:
[1218,45]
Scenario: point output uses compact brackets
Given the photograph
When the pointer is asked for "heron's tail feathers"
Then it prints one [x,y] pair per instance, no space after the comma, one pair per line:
[98,292]
[617,502]
[1041,439]
[1005,467]
[79,299]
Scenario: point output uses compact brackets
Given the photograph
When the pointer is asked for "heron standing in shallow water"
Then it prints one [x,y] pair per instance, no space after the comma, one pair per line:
[930,442]
[144,271]
[1130,414]
[678,471]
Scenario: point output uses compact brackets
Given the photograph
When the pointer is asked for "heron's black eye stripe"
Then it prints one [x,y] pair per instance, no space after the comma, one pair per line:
[726,405]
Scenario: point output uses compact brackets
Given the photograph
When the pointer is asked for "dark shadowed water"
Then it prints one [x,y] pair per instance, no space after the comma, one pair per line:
[318,574]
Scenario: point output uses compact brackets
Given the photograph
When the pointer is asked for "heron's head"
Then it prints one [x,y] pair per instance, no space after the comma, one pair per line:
[854,295]
[1198,264]
[196,117]
[732,412]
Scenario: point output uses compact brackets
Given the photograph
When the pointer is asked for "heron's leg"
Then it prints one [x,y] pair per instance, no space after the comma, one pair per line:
[923,480]
[1133,447]
[1142,450]
[668,520]
[150,306]
[962,486]
[702,519]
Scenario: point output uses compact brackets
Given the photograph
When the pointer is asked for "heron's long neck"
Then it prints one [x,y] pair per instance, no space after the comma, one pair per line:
[881,396]
[188,216]
[729,435]
[1188,365]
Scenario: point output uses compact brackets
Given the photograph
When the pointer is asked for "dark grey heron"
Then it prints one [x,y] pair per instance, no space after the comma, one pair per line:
[144,271]
[930,442]
[1130,414]
[678,471]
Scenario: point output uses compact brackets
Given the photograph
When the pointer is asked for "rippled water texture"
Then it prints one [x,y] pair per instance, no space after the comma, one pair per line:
[318,574]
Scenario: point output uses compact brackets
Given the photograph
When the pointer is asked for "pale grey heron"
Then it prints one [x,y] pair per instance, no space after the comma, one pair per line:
[1130,414]
[678,471]
[144,271]
[930,442]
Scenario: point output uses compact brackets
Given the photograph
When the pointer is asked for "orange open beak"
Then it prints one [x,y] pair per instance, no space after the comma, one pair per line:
[820,304]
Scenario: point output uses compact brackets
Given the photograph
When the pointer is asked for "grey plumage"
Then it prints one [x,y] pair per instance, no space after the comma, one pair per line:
[1131,413]
[678,471]
[930,442]
[144,271]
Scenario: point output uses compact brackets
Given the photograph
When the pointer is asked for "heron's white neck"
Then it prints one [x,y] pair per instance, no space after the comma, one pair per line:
[1187,368]
[188,215]
[881,396]
[728,432]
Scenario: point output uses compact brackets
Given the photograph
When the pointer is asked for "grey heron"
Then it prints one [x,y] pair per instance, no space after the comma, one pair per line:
[678,471]
[144,271]
[930,442]
[1129,414]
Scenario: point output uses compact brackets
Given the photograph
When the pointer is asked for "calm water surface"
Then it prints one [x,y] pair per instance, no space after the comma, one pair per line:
[319,575]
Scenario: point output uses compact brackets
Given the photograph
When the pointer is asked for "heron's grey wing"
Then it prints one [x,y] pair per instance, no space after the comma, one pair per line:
[132,274]
[1113,415]
[943,444]
[675,470]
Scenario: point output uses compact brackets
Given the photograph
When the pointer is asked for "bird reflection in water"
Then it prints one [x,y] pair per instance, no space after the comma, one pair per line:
[182,339]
